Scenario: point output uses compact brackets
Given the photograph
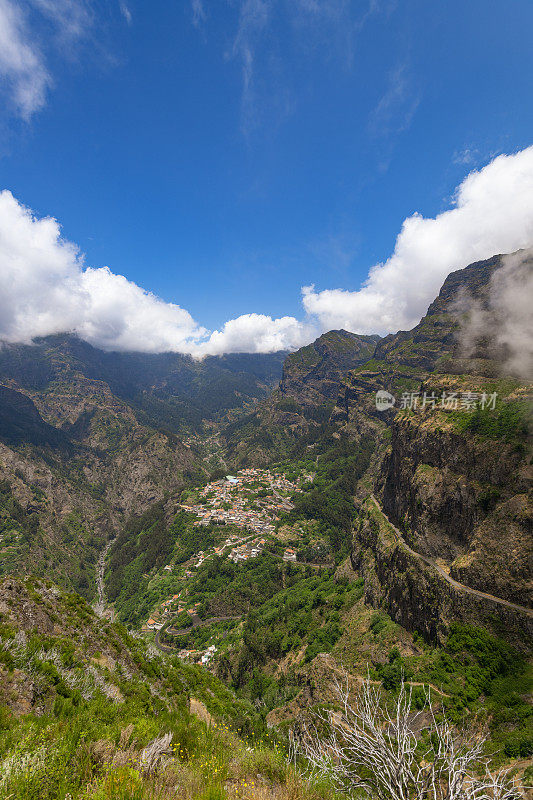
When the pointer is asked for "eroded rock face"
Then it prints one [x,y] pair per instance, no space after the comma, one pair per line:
[462,499]
[295,416]
[417,596]
[457,484]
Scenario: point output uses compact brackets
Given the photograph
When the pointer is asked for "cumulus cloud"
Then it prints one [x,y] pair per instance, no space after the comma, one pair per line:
[258,333]
[47,288]
[492,213]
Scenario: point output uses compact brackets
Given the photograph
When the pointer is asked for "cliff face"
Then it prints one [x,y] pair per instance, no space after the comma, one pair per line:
[417,593]
[454,494]
[454,478]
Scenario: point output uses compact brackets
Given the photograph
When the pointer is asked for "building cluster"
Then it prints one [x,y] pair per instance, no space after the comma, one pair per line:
[236,500]
[249,549]
[253,500]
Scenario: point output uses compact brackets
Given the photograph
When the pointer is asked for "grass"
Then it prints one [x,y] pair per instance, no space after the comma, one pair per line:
[94,757]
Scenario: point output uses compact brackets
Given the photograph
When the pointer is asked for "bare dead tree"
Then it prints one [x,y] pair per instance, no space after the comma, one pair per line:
[154,754]
[370,748]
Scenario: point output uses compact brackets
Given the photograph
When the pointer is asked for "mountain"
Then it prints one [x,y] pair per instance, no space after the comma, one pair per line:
[392,539]
[454,477]
[293,417]
[449,476]
[166,390]
[312,375]
[88,438]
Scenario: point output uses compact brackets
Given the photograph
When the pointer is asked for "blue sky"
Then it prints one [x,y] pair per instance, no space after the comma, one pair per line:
[224,154]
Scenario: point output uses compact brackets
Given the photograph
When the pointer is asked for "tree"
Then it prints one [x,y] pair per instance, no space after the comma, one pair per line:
[369,748]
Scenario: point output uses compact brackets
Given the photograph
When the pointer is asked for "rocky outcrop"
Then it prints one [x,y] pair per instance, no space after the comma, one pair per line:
[456,481]
[453,495]
[297,415]
[417,595]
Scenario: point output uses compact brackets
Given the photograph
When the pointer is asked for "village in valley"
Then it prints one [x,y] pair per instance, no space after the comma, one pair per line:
[250,503]
[255,498]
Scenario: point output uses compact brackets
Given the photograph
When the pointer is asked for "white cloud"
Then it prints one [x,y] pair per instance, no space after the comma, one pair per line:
[24,74]
[467,157]
[198,13]
[396,108]
[258,333]
[253,20]
[46,287]
[503,320]
[492,213]
[125,11]
[327,28]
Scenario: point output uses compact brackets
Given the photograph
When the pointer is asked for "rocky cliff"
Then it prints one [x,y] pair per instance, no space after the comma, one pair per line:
[455,474]
[313,374]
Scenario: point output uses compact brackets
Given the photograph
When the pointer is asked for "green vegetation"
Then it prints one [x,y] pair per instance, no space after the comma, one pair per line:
[223,587]
[182,620]
[15,524]
[485,674]
[142,548]
[290,610]
[476,674]
[508,421]
[23,544]
[98,709]
[329,499]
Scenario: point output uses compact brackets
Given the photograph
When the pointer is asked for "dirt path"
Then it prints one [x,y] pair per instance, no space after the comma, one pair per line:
[454,583]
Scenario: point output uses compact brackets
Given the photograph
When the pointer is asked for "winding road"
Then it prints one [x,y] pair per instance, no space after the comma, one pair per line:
[196,623]
[461,586]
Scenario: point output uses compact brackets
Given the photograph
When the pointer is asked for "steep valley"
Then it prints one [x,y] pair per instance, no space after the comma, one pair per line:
[385,543]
